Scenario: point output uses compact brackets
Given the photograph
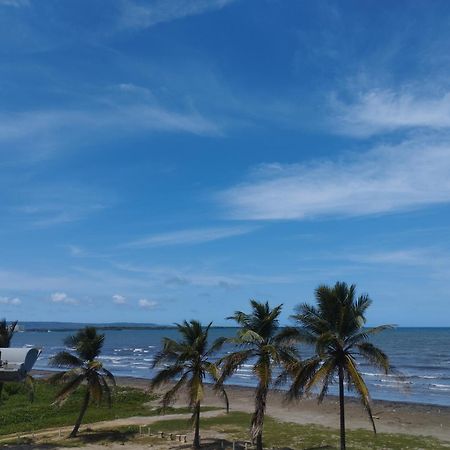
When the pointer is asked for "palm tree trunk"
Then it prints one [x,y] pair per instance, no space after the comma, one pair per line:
[84,407]
[197,426]
[258,417]
[341,406]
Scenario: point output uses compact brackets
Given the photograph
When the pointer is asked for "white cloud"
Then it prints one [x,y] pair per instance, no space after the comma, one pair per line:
[147,304]
[145,15]
[119,299]
[62,297]
[190,236]
[10,301]
[380,111]
[407,176]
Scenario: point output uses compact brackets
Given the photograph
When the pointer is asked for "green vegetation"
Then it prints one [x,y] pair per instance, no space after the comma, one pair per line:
[303,437]
[18,415]
[261,339]
[186,362]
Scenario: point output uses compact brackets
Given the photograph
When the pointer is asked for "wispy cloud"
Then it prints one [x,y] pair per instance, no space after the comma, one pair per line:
[62,297]
[189,237]
[413,174]
[179,277]
[380,111]
[52,205]
[15,3]
[406,257]
[15,301]
[124,109]
[144,14]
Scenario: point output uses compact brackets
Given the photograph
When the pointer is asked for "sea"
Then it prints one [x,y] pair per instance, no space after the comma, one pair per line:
[421,355]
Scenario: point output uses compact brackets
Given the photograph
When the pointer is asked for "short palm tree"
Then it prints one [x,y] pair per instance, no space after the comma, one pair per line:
[187,362]
[6,335]
[263,343]
[83,368]
[336,328]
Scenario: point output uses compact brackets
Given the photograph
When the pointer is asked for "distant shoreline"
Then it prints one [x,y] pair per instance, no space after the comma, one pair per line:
[111,328]
[59,327]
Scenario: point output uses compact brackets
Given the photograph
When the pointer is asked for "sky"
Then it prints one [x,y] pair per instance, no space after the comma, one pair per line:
[164,160]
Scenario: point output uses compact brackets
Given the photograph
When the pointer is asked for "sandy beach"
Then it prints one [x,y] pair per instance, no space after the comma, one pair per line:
[390,417]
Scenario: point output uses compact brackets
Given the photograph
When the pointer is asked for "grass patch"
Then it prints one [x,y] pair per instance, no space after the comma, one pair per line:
[306,437]
[18,415]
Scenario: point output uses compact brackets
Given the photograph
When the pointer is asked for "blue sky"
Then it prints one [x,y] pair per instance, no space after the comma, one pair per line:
[170,159]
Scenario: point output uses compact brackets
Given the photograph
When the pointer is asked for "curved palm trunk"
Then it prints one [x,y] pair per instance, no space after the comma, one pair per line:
[258,416]
[84,407]
[197,426]
[341,406]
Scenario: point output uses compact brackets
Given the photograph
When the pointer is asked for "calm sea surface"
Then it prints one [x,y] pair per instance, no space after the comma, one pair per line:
[421,354]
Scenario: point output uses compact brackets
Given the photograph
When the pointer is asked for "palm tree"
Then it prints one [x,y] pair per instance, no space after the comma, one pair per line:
[84,367]
[261,341]
[187,362]
[6,335]
[336,328]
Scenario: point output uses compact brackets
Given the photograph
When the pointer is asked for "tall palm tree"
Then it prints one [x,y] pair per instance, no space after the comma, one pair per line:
[262,342]
[83,367]
[6,335]
[188,362]
[335,326]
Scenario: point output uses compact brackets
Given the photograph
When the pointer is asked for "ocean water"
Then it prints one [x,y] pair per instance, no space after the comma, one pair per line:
[422,355]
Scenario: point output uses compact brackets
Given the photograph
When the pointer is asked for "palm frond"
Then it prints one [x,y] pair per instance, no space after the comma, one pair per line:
[107,391]
[365,333]
[361,388]
[322,375]
[62,377]
[375,356]
[232,362]
[170,395]
[68,388]
[166,375]
[95,388]
[65,359]
[110,377]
